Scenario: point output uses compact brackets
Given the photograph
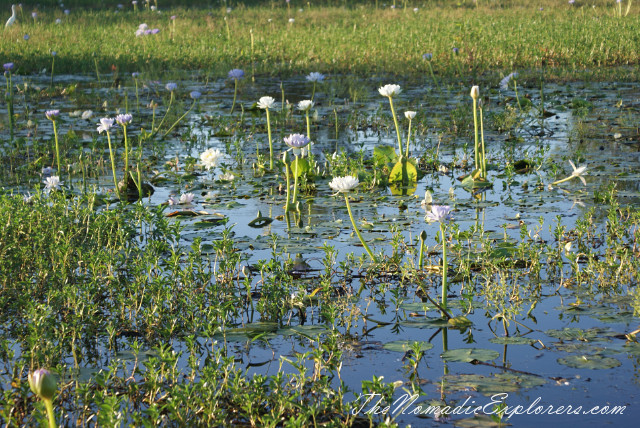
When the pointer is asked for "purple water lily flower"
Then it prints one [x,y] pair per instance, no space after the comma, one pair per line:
[427,56]
[123,119]
[52,114]
[195,95]
[236,73]
[296,141]
[439,213]
[171,86]
[8,66]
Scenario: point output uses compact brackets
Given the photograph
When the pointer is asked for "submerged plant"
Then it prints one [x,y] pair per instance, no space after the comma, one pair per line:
[441,214]
[345,185]
[266,103]
[52,115]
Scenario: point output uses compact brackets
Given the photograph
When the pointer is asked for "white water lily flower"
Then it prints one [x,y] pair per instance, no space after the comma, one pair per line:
[428,199]
[266,102]
[314,76]
[105,124]
[390,90]
[86,115]
[475,92]
[409,114]
[305,105]
[210,158]
[52,182]
[227,176]
[579,172]
[186,198]
[344,184]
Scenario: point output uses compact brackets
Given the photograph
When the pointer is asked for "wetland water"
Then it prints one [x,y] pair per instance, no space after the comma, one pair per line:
[566,343]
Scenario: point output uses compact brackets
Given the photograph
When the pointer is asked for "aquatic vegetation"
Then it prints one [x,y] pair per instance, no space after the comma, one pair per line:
[104,126]
[235,74]
[265,103]
[52,115]
[297,142]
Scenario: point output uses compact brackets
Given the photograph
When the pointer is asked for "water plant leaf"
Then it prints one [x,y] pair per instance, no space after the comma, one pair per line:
[460,322]
[488,385]
[384,154]
[406,345]
[466,355]
[403,169]
[209,222]
[512,340]
[480,421]
[592,362]
[261,221]
[588,335]
[302,165]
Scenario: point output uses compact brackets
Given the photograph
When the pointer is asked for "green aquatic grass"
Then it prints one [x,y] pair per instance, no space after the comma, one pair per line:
[361,40]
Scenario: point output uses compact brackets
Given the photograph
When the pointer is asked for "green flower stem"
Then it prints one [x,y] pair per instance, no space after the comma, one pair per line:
[483,159]
[126,155]
[95,61]
[235,93]
[10,105]
[475,129]
[408,140]
[52,417]
[180,119]
[563,180]
[308,126]
[313,91]
[270,144]
[55,134]
[153,118]
[287,173]
[515,89]
[137,97]
[444,266]
[353,222]
[395,121]
[113,165]
[433,75]
[295,183]
[421,257]
[165,113]
[53,62]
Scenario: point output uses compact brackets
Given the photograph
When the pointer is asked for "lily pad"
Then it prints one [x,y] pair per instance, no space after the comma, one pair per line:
[403,169]
[406,345]
[573,333]
[593,362]
[466,355]
[512,340]
[488,385]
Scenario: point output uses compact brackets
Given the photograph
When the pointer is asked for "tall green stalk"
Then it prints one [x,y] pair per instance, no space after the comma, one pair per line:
[55,134]
[270,143]
[395,121]
[113,165]
[444,266]
[353,222]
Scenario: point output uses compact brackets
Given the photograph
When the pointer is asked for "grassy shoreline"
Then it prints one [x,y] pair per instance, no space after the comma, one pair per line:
[568,42]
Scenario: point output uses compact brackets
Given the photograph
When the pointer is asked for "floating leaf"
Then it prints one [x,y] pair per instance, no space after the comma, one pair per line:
[593,362]
[406,345]
[512,340]
[574,333]
[488,385]
[260,222]
[466,355]
[460,322]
